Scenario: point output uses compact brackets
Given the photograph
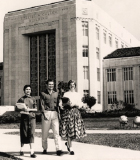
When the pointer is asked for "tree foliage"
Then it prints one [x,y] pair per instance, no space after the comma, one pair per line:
[90,100]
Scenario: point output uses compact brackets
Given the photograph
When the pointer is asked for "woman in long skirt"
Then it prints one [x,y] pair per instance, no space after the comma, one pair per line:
[71,123]
[28,120]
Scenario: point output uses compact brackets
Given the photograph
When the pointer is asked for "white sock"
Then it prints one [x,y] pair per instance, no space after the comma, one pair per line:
[32,151]
[71,149]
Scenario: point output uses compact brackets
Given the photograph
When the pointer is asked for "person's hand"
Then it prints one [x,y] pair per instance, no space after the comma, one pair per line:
[45,118]
[62,107]
[27,109]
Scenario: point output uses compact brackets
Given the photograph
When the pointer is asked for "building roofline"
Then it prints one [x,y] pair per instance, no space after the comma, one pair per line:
[38,6]
[124,52]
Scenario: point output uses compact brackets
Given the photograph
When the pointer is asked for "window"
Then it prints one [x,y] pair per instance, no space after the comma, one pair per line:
[85,50]
[129,97]
[85,28]
[86,92]
[98,74]
[105,37]
[112,97]
[97,53]
[110,40]
[128,73]
[111,75]
[86,72]
[97,33]
[98,97]
[116,42]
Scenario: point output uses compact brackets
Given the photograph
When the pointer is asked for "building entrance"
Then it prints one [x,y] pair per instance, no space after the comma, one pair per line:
[42,61]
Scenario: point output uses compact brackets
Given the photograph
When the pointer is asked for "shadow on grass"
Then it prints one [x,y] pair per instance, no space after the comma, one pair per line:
[7,156]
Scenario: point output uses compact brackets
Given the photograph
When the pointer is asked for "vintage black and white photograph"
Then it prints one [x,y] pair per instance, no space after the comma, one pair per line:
[70,80]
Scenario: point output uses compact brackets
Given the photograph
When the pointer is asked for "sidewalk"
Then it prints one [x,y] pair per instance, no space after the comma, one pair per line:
[11,144]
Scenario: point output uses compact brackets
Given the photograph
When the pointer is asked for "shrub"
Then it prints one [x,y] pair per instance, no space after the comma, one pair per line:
[10,117]
[14,117]
[118,105]
[89,100]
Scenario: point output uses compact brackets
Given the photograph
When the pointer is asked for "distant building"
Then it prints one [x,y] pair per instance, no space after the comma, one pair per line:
[64,40]
[1,83]
[122,77]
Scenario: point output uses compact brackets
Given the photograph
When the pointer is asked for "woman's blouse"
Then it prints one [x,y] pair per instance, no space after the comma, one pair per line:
[30,102]
[75,98]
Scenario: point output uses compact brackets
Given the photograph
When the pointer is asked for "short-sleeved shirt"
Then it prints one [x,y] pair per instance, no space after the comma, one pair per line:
[48,101]
[30,103]
[75,98]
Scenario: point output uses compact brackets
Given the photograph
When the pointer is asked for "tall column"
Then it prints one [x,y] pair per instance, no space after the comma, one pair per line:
[136,80]
[6,68]
[79,57]
[119,84]
[92,60]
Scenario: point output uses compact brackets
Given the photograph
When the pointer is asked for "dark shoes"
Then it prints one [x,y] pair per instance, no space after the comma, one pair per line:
[59,152]
[33,155]
[21,153]
[71,152]
[44,151]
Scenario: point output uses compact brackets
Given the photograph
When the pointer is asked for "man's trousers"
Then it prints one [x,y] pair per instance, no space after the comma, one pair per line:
[52,122]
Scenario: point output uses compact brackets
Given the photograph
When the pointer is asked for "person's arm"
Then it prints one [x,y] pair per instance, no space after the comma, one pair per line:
[61,105]
[42,105]
[31,109]
[34,109]
[21,100]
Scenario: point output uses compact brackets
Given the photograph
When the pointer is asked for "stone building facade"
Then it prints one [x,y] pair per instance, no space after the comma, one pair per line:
[122,77]
[1,83]
[64,40]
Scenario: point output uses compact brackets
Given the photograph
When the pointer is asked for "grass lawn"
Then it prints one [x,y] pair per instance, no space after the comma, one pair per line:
[107,123]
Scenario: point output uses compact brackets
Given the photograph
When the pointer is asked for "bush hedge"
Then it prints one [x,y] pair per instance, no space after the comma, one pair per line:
[14,117]
[111,113]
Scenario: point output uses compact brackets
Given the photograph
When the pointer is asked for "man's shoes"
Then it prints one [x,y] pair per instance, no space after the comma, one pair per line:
[33,155]
[44,151]
[71,152]
[59,152]
[21,153]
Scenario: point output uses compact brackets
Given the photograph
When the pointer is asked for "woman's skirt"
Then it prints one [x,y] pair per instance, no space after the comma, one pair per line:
[27,129]
[71,124]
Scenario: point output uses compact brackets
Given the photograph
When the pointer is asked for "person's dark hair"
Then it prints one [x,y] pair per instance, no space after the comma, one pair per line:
[27,85]
[71,81]
[49,80]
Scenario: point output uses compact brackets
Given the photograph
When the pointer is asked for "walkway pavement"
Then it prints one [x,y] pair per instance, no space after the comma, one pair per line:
[10,144]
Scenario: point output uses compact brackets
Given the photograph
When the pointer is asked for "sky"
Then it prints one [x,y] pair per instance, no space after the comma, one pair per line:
[125,12]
